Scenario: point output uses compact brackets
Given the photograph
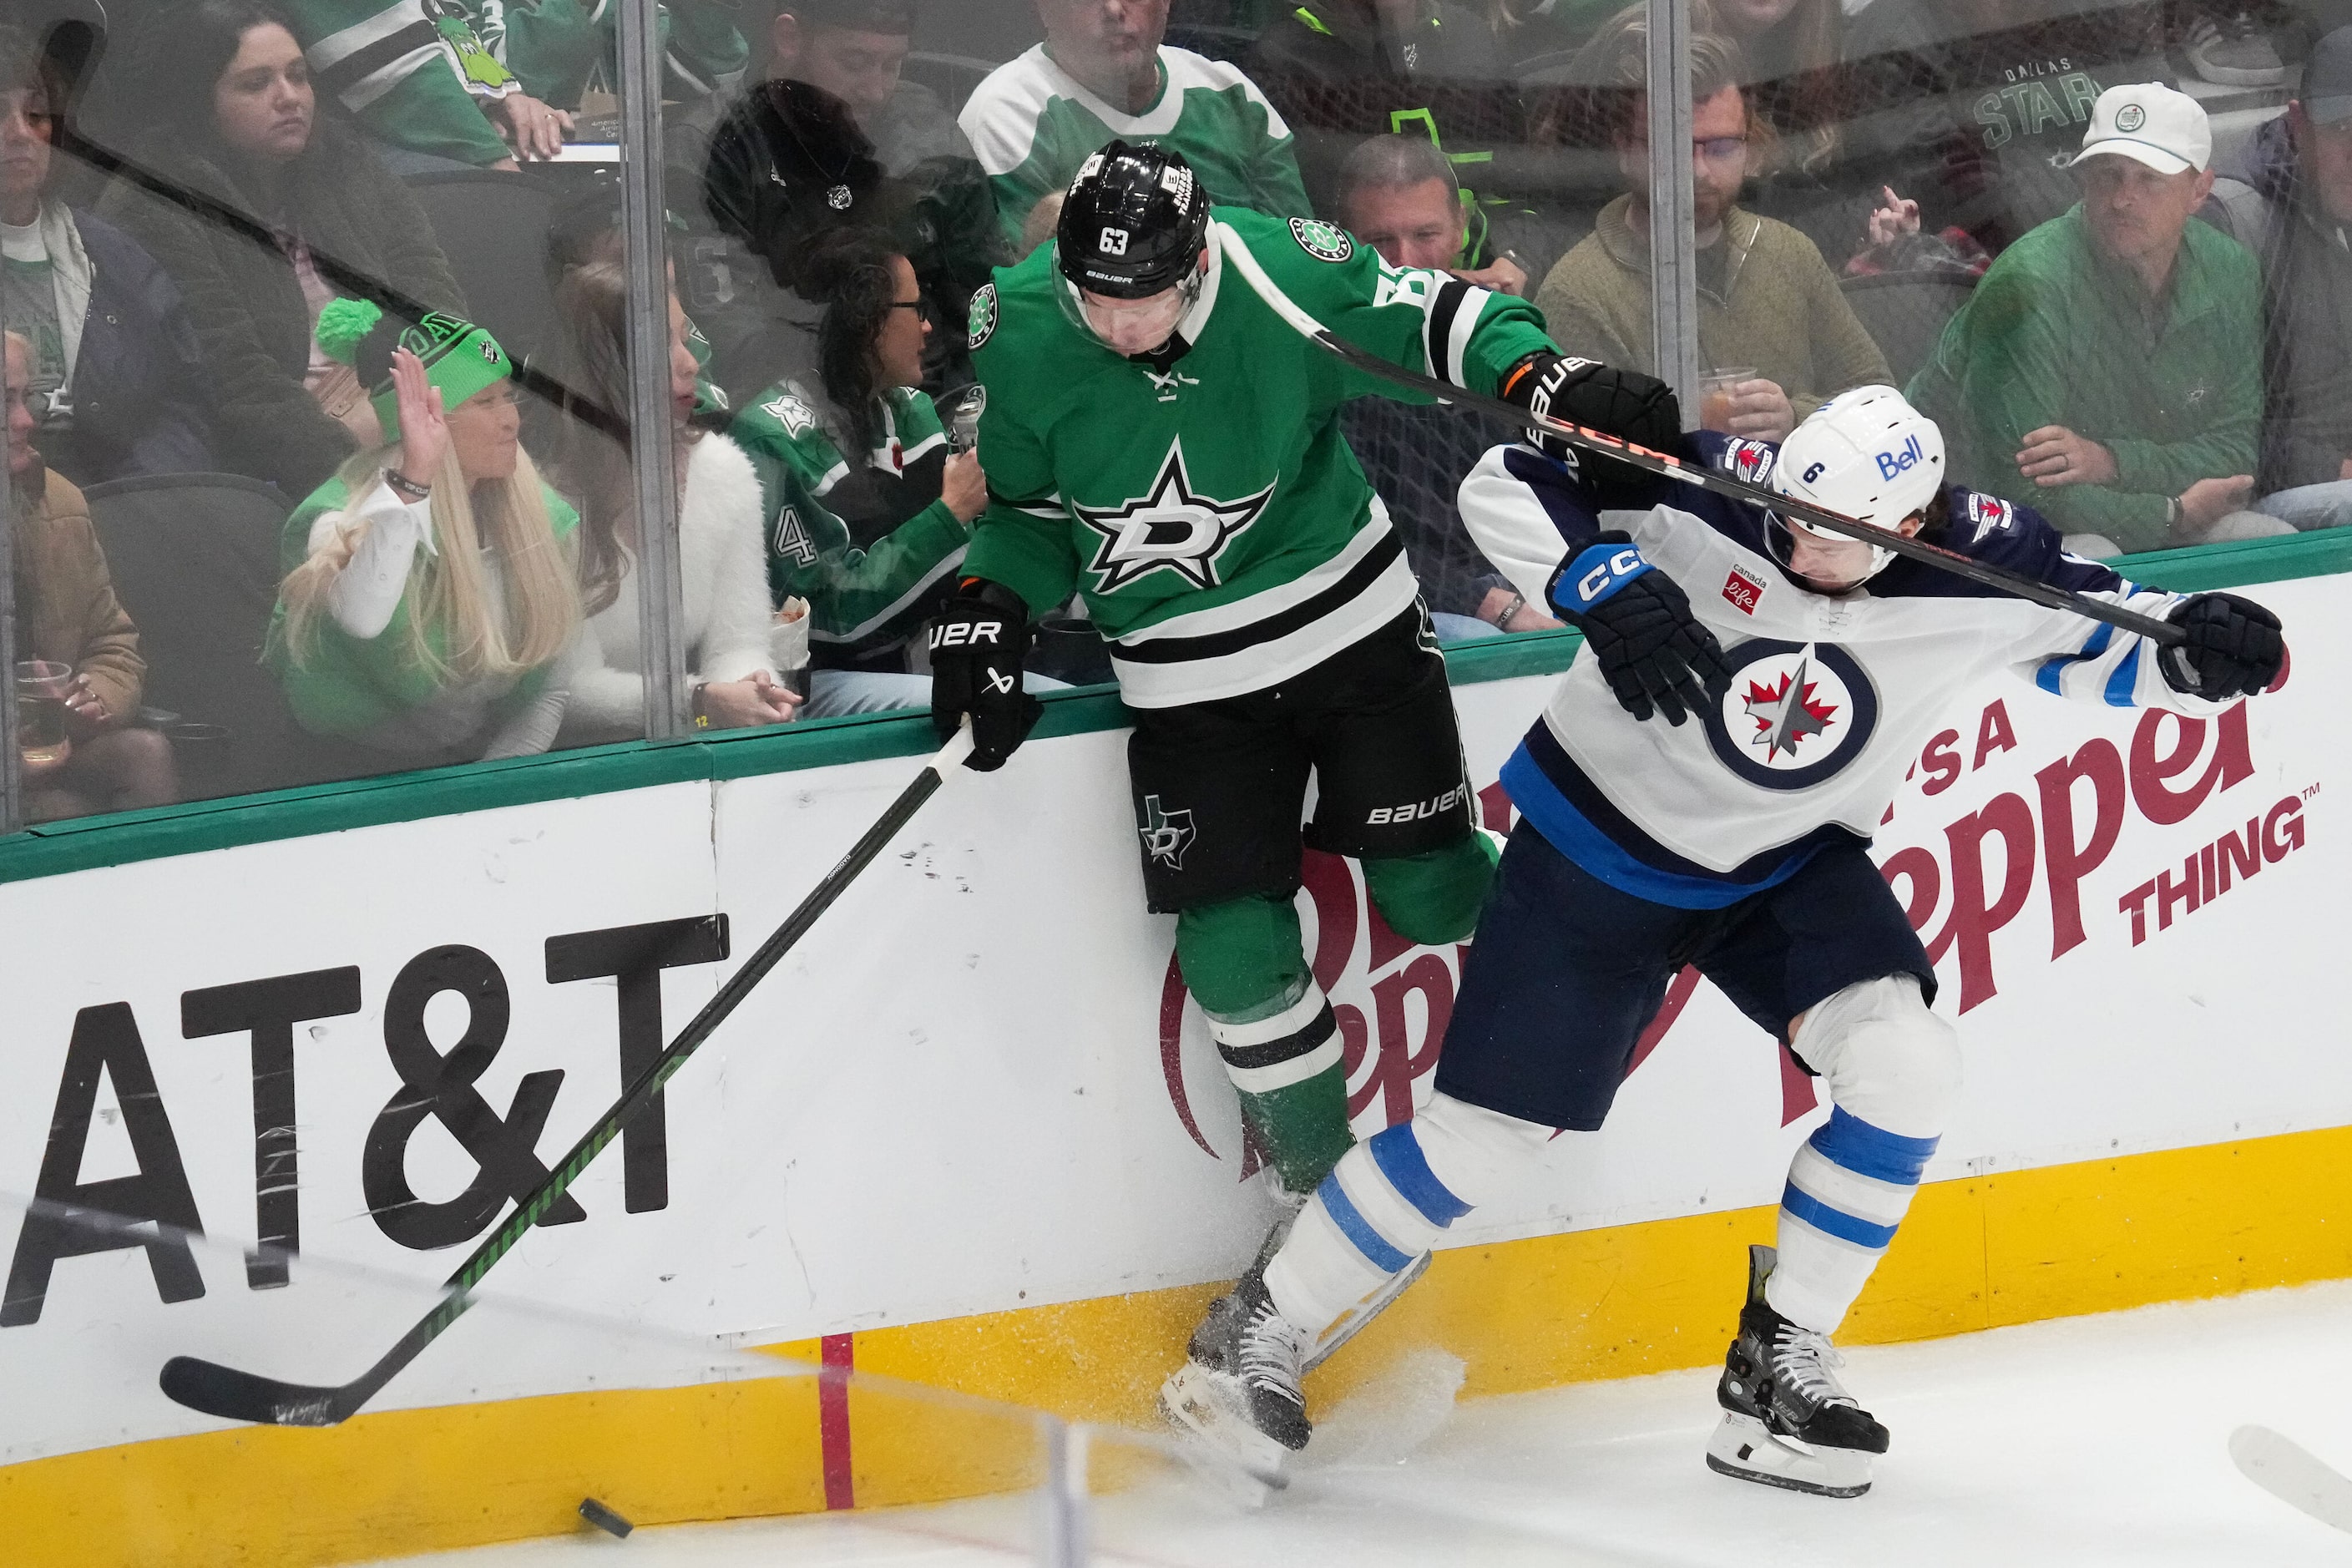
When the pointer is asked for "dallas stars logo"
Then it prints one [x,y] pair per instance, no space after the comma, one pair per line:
[1166,833]
[1785,713]
[1170,527]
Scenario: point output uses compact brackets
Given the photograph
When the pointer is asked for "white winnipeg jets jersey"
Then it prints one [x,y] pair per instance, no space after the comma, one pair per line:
[1830,698]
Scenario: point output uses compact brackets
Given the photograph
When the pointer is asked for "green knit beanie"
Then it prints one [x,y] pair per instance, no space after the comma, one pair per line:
[460,357]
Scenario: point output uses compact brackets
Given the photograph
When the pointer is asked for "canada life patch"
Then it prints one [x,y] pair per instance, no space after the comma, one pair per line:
[1749,460]
[1745,593]
[1323,241]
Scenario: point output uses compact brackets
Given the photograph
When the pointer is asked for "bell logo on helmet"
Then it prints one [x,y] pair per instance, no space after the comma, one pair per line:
[1113,242]
[1894,464]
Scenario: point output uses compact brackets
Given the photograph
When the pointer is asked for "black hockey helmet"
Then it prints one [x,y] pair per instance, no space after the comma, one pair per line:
[1133,222]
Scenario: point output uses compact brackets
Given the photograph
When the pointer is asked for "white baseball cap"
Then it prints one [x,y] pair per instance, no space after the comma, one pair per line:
[2149,122]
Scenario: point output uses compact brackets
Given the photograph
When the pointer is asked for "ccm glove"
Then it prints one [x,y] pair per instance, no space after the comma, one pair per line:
[1653,653]
[1621,402]
[2235,649]
[977,645]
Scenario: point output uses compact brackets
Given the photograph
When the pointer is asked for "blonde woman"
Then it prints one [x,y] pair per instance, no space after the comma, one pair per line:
[429,603]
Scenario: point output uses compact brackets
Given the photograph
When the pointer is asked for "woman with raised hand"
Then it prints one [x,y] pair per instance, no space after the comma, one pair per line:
[292,209]
[430,603]
[722,578]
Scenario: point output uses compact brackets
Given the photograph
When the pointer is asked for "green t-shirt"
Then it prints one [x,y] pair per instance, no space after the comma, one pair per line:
[347,686]
[29,295]
[1220,530]
[1031,125]
[870,571]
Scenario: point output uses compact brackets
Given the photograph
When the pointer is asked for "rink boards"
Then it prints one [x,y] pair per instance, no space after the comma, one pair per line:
[972,1132]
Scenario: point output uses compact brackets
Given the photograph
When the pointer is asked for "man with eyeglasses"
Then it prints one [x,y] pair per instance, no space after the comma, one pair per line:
[1767,301]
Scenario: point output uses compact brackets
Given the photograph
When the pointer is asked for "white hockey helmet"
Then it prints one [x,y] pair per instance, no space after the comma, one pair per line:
[1865,454]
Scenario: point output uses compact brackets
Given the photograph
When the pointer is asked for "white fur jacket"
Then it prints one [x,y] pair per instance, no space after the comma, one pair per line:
[723,578]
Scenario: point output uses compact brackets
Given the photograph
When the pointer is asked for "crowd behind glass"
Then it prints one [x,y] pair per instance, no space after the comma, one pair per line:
[317,312]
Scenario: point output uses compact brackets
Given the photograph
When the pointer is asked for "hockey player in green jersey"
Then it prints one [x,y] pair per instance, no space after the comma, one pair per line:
[1158,440]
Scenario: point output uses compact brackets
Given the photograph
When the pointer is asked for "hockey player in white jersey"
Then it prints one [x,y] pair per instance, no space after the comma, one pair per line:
[1701,789]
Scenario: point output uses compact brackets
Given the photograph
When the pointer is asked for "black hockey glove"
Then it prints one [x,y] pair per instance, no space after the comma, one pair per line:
[2235,649]
[977,645]
[1621,402]
[1653,653]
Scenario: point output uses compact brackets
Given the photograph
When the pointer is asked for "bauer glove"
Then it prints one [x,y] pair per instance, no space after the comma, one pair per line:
[977,645]
[1621,402]
[2235,649]
[1653,653]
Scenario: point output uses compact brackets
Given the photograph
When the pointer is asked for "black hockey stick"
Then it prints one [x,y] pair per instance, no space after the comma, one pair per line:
[2163,634]
[224,1391]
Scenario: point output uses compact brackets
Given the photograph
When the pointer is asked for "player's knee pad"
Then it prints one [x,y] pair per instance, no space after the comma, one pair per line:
[1434,898]
[1243,959]
[1479,1155]
[1887,1059]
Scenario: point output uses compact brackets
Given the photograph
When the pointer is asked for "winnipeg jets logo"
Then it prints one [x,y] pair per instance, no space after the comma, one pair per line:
[1990,514]
[1787,714]
[1794,715]
[1170,527]
[1166,833]
[1167,385]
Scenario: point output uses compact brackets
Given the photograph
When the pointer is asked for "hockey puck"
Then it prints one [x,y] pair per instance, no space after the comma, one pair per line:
[605,1519]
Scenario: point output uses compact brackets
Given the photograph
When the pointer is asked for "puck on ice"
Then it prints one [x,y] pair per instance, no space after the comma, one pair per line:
[605,1519]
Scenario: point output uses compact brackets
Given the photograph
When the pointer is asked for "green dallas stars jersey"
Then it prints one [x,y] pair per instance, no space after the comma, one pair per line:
[853,540]
[1031,125]
[1219,527]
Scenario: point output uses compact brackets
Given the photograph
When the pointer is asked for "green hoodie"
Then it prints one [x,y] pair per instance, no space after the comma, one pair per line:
[2058,334]
[349,687]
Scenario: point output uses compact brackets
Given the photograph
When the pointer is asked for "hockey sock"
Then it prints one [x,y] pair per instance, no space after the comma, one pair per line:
[1434,898]
[1892,1068]
[1389,1199]
[1244,963]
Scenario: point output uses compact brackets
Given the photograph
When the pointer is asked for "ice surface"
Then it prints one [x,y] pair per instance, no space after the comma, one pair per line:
[2085,1441]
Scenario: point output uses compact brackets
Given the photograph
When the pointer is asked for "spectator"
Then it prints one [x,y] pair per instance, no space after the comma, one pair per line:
[66,614]
[116,377]
[2295,213]
[2112,355]
[868,513]
[1766,298]
[1790,51]
[421,85]
[1342,71]
[1103,72]
[856,50]
[268,212]
[1397,195]
[431,598]
[723,585]
[1971,106]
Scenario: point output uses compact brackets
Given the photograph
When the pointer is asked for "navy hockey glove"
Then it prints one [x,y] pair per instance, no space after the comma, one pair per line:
[1653,653]
[2235,649]
[977,645]
[1621,402]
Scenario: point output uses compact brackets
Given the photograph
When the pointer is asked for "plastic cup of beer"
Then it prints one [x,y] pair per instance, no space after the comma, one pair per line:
[42,686]
[1715,395]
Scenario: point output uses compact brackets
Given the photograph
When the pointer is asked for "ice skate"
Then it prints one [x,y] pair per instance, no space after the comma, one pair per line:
[1786,1420]
[1238,1391]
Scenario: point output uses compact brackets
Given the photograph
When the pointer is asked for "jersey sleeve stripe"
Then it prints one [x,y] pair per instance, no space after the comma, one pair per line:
[882,617]
[1466,318]
[2053,670]
[1437,328]
[2125,680]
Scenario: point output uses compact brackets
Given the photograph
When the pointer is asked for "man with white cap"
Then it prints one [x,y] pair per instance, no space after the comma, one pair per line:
[1702,788]
[2111,356]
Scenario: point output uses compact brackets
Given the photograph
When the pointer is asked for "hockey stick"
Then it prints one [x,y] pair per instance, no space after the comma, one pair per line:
[223,1391]
[2283,1467]
[2163,634]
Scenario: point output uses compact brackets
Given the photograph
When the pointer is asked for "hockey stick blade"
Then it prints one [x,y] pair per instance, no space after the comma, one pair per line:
[2163,634]
[2291,1473]
[235,1396]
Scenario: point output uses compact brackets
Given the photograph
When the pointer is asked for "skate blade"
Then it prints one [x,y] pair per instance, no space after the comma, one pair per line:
[1355,1318]
[1208,1408]
[1742,1448]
